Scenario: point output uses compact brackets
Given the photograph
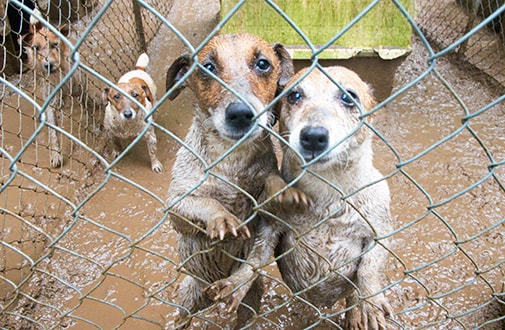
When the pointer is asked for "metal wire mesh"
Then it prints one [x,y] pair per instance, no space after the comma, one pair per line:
[89,244]
[461,23]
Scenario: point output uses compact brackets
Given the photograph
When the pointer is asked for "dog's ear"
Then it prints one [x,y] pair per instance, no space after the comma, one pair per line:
[27,38]
[287,68]
[175,73]
[64,29]
[35,24]
[105,94]
[149,95]
[287,71]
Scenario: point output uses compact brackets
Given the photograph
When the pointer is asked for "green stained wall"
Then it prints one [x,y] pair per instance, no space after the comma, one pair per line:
[383,31]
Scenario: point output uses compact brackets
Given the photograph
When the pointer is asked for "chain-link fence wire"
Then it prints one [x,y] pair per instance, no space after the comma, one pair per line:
[89,245]
[446,22]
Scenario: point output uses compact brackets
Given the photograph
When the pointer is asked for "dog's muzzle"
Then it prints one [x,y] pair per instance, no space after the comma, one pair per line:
[49,67]
[314,140]
[128,114]
[239,119]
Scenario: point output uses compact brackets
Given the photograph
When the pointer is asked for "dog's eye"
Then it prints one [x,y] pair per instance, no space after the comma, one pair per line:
[54,45]
[211,67]
[135,95]
[294,97]
[36,48]
[263,65]
[117,96]
[349,100]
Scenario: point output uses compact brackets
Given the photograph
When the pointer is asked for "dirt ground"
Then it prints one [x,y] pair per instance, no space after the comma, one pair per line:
[85,248]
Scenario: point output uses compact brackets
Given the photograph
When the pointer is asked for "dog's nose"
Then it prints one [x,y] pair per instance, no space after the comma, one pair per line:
[239,115]
[128,114]
[314,138]
[49,67]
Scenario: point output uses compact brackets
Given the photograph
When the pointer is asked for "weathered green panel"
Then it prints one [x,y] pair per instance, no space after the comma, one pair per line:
[384,30]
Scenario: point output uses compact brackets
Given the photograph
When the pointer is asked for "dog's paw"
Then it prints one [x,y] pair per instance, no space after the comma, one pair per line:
[182,321]
[230,291]
[223,291]
[228,223]
[115,153]
[156,166]
[369,315]
[353,319]
[374,313]
[293,199]
[55,158]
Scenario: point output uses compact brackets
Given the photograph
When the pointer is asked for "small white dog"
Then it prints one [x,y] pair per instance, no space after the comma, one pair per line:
[124,119]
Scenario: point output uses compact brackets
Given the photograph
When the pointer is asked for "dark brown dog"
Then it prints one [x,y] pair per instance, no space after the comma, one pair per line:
[228,164]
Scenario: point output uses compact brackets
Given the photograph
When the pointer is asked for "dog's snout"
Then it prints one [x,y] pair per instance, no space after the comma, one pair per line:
[239,115]
[49,67]
[314,138]
[128,114]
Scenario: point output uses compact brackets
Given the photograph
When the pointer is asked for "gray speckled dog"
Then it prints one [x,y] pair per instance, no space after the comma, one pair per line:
[214,193]
[330,252]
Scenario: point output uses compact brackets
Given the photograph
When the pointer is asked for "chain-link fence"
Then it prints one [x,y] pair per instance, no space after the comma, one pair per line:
[457,22]
[89,244]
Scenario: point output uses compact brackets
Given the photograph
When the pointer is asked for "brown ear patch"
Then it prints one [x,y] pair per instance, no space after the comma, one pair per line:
[145,88]
[28,39]
[64,29]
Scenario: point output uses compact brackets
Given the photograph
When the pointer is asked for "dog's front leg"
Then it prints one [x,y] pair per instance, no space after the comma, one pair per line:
[234,288]
[372,310]
[150,137]
[115,144]
[55,157]
[193,211]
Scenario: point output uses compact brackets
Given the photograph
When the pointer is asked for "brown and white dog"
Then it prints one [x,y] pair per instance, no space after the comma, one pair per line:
[336,249]
[48,57]
[124,118]
[228,164]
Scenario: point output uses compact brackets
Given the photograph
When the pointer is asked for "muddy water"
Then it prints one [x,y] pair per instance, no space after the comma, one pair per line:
[453,182]
[123,250]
